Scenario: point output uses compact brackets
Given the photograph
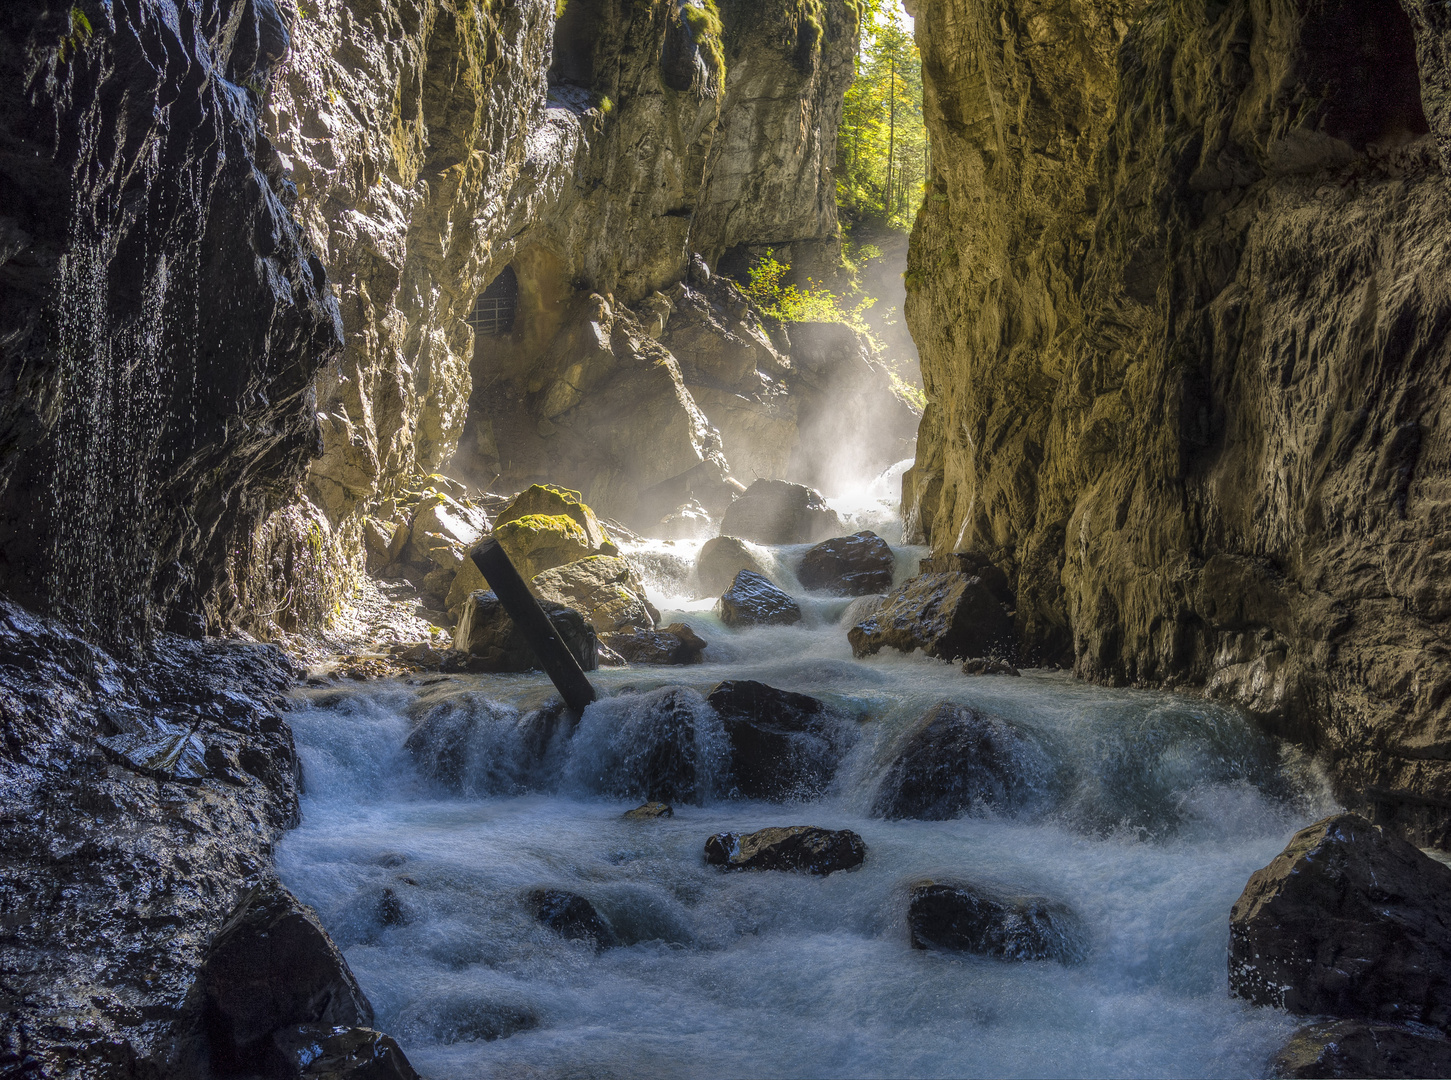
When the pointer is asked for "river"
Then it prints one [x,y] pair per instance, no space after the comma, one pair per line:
[1152,811]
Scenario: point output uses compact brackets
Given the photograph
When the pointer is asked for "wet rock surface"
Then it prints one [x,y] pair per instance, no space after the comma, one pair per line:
[571,916]
[958,917]
[718,563]
[675,644]
[1360,1048]
[777,512]
[114,879]
[798,847]
[1349,921]
[856,565]
[272,970]
[753,601]
[487,634]
[955,760]
[650,811]
[948,615]
[322,1052]
[783,745]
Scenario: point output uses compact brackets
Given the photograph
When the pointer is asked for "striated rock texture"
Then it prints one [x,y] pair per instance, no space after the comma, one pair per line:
[161,315]
[1179,285]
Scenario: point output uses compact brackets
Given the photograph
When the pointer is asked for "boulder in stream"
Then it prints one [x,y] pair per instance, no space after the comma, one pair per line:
[271,968]
[718,563]
[1355,1048]
[985,665]
[571,916]
[754,601]
[486,633]
[650,811]
[323,1052]
[950,616]
[781,743]
[604,589]
[798,847]
[675,644]
[1347,921]
[778,512]
[955,760]
[959,917]
[857,565]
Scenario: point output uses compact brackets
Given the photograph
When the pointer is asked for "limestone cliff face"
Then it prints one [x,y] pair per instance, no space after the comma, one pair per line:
[1180,290]
[161,315]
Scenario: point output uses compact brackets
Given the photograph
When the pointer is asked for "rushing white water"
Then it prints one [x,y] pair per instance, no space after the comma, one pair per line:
[1151,812]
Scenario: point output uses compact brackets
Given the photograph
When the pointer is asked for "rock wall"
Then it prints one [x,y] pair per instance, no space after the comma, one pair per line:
[1179,285]
[161,315]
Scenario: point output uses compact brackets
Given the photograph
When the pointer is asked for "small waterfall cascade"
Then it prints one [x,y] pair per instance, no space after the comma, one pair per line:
[434,811]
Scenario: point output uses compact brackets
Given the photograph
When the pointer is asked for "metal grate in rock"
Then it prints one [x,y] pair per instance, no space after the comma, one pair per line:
[494,310]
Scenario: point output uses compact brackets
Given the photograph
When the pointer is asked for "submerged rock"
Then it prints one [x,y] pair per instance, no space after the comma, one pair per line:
[861,609]
[979,665]
[753,601]
[651,811]
[486,633]
[603,588]
[956,760]
[968,918]
[780,741]
[662,746]
[799,847]
[950,616]
[718,563]
[571,916]
[676,644]
[324,1052]
[1347,921]
[777,512]
[271,968]
[855,565]
[1358,1048]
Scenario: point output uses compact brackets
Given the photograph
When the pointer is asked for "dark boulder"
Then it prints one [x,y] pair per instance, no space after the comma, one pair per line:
[486,633]
[718,563]
[676,644]
[321,1052]
[651,811]
[968,918]
[571,916]
[856,565]
[950,616]
[1355,1048]
[971,564]
[753,601]
[781,743]
[978,665]
[955,760]
[1347,921]
[273,967]
[777,512]
[799,847]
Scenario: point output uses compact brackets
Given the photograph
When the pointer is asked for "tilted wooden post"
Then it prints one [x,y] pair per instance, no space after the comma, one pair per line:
[558,662]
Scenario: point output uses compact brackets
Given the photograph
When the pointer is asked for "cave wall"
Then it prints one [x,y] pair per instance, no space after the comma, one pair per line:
[1180,288]
[161,315]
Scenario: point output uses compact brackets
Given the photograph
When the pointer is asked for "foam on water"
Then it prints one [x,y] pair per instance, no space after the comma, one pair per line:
[432,811]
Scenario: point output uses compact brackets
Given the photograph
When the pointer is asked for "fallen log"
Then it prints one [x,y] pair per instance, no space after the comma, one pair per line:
[554,656]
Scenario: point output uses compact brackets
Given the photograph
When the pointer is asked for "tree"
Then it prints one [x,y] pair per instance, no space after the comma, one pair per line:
[881,148]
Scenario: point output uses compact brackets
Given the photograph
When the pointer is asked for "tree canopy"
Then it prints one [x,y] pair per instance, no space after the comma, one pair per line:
[882,144]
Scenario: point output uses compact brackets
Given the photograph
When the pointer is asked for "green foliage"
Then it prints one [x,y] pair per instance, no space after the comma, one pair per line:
[882,142]
[702,17]
[79,36]
[559,6]
[770,293]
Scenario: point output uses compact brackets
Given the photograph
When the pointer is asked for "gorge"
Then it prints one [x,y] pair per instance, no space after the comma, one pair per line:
[299,299]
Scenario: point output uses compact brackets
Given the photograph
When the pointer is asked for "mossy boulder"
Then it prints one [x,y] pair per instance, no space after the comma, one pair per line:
[539,542]
[546,500]
[603,588]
